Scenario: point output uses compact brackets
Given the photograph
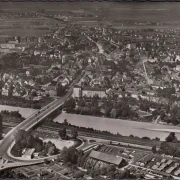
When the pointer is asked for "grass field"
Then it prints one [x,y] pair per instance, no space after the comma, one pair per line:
[22,32]
[166,12]
[26,26]
[113,13]
[60,143]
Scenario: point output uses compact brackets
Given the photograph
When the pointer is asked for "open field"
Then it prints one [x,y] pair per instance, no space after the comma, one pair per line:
[23,32]
[119,15]
[26,26]
[165,12]
[60,143]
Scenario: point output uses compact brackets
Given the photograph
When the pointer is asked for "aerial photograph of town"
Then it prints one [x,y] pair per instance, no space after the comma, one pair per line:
[89,90]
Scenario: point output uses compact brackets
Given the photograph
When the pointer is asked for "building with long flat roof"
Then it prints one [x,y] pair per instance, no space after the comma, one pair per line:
[79,91]
[107,158]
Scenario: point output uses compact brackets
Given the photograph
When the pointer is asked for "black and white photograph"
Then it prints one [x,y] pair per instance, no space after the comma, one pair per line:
[89,90]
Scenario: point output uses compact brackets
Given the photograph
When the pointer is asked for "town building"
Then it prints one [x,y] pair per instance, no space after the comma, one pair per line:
[7,46]
[79,91]
[131,46]
[51,90]
[107,158]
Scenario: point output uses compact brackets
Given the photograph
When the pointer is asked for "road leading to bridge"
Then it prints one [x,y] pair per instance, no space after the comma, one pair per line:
[31,121]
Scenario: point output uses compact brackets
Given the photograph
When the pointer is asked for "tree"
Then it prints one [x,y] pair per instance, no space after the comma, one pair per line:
[103,171]
[155,112]
[113,113]
[69,155]
[46,161]
[10,91]
[162,115]
[69,105]
[107,82]
[144,107]
[81,102]
[65,122]
[124,113]
[108,111]
[74,134]
[157,139]
[79,174]
[62,133]
[25,139]
[154,149]
[95,110]
[111,168]
[169,149]
[171,137]
[1,128]
[127,173]
[61,90]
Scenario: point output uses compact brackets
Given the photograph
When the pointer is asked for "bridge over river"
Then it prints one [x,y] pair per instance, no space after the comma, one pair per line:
[9,139]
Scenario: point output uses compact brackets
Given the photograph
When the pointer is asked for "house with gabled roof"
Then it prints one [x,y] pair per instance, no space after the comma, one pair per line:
[107,158]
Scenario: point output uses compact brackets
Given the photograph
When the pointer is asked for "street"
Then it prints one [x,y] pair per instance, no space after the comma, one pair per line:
[9,138]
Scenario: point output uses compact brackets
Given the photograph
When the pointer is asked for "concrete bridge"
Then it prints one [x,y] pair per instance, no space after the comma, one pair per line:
[7,142]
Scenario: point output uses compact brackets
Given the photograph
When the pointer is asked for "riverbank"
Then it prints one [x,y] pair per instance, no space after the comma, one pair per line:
[23,103]
[123,127]
[25,112]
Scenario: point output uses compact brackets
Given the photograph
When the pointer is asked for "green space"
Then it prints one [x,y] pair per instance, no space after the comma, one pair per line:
[22,102]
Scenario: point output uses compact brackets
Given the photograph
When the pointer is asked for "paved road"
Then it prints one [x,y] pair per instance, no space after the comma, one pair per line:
[6,143]
[28,123]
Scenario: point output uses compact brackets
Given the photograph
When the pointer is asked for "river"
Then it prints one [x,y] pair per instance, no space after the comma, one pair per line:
[25,112]
[124,127]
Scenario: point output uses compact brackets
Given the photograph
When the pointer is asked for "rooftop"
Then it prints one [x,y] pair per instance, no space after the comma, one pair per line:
[106,157]
[93,89]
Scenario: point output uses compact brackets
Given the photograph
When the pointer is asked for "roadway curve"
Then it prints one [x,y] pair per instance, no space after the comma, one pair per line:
[9,138]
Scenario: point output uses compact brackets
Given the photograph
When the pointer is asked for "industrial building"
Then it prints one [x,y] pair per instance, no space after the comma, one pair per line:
[107,158]
[79,91]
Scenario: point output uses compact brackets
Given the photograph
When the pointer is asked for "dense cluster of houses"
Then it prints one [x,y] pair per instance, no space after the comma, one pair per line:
[136,62]
[151,63]
[164,166]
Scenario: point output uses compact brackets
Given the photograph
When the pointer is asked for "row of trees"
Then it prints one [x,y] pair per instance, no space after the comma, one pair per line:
[69,155]
[169,149]
[21,102]
[121,108]
[170,115]
[11,113]
[108,107]
[69,105]
[169,146]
